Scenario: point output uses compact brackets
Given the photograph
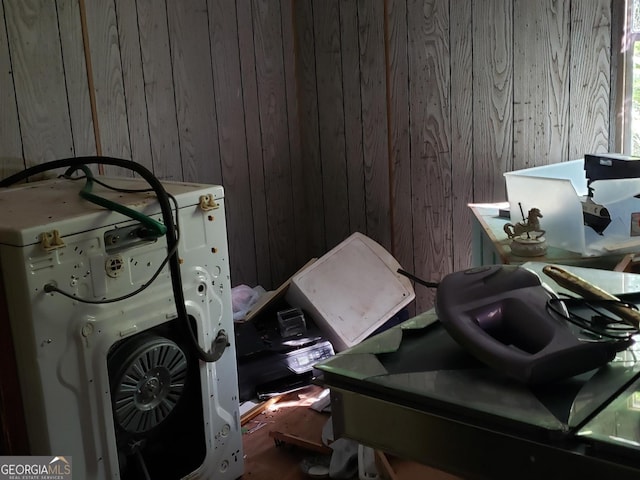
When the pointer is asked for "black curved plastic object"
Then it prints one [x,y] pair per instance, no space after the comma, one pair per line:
[499,314]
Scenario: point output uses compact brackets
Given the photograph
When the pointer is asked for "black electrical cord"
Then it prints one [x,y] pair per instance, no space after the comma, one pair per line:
[50,288]
[155,229]
[602,325]
[172,237]
[68,175]
[418,280]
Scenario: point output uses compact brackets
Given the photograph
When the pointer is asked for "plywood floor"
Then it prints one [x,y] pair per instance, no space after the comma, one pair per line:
[292,415]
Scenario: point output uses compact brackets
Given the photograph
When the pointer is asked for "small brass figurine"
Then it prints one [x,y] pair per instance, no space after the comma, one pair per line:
[527,237]
[531,224]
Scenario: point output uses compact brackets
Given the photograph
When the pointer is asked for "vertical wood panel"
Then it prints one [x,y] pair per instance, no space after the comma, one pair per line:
[374,121]
[194,93]
[541,92]
[526,81]
[617,80]
[461,131]
[232,139]
[352,114]
[75,68]
[553,113]
[159,89]
[11,160]
[428,29]
[254,142]
[294,151]
[303,250]
[275,141]
[43,111]
[493,97]
[109,88]
[309,128]
[590,62]
[399,114]
[133,82]
[326,16]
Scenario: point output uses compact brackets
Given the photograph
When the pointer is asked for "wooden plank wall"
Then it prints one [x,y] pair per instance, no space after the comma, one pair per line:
[320,117]
[473,89]
[195,90]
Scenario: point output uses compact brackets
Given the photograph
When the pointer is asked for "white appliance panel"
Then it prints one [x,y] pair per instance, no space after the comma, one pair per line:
[76,360]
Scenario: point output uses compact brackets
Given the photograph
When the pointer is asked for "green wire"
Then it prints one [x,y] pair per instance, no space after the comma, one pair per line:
[156,228]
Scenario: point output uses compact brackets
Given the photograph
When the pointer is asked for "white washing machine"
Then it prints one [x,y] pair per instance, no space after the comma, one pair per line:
[116,385]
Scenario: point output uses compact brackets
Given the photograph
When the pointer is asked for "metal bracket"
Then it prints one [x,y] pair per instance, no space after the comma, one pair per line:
[51,240]
[208,202]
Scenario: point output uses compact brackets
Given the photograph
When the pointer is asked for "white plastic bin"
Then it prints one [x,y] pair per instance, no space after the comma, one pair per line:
[558,191]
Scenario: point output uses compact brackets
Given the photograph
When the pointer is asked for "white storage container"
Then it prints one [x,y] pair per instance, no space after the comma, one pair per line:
[351,291]
[558,191]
